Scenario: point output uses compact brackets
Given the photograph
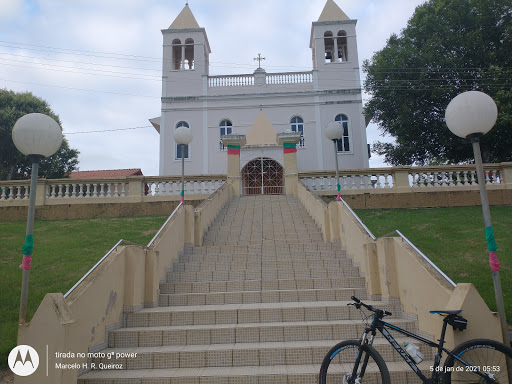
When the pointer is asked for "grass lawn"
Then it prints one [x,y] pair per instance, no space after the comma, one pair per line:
[454,239]
[63,252]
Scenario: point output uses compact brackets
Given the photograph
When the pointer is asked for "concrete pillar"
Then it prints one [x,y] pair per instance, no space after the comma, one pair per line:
[401,179]
[506,175]
[41,191]
[233,144]
[289,141]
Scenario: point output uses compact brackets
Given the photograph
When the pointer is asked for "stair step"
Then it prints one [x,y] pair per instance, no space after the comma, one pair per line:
[277,374]
[248,313]
[239,354]
[242,333]
[270,246]
[207,265]
[249,297]
[261,285]
[264,274]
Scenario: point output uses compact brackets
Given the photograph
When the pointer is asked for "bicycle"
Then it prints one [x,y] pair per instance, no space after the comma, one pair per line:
[474,361]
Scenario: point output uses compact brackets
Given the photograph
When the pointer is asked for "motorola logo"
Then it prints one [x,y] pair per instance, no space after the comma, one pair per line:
[23,360]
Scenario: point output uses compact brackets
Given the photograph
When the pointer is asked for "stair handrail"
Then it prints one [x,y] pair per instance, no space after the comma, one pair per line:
[117,245]
[163,226]
[358,220]
[423,256]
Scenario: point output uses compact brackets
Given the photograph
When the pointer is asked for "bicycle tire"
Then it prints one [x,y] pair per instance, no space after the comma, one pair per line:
[481,354]
[338,365]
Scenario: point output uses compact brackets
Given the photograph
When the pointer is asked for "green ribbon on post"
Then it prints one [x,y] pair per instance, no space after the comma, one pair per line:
[182,193]
[28,247]
[491,243]
[339,187]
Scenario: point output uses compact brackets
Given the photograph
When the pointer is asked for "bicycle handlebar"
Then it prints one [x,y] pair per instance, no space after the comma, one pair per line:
[379,312]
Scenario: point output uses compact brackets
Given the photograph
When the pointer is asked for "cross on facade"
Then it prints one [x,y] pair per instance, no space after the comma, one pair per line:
[259,58]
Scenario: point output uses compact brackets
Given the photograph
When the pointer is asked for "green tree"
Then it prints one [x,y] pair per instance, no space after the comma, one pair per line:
[15,165]
[448,47]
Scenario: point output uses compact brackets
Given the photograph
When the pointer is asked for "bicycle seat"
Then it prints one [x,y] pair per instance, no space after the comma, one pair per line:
[446,313]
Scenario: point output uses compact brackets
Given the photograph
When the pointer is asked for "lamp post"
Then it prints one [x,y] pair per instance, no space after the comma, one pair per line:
[334,132]
[36,136]
[471,115]
[183,136]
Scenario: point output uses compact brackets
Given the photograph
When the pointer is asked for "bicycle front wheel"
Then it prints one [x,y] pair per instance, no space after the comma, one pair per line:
[348,362]
[482,361]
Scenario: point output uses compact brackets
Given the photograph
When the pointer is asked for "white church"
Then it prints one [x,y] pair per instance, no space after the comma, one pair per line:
[261,105]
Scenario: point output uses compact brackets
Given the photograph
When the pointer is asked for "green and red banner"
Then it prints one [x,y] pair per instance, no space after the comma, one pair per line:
[289,148]
[492,247]
[233,149]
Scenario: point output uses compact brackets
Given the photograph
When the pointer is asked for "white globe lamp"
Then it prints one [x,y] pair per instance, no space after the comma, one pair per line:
[471,113]
[37,134]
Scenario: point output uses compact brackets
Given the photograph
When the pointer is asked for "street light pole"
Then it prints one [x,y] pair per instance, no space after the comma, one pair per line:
[183,136]
[37,136]
[28,246]
[183,173]
[334,132]
[338,186]
[471,115]
[489,233]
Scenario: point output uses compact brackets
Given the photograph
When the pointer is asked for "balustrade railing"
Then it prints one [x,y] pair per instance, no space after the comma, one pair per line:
[290,78]
[173,187]
[135,188]
[271,78]
[349,180]
[230,81]
[401,179]
[432,178]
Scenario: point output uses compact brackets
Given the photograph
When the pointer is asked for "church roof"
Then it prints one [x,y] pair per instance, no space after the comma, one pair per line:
[332,12]
[106,173]
[185,20]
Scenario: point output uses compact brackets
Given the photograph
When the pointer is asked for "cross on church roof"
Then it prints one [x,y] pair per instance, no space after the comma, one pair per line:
[259,58]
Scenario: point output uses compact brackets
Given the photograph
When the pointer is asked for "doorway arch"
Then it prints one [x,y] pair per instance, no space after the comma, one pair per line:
[262,176]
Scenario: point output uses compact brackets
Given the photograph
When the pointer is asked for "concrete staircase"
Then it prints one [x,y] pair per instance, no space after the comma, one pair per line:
[262,301]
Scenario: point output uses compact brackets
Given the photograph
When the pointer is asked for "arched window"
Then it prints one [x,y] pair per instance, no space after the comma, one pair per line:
[225,128]
[329,47]
[342,46]
[176,54]
[344,142]
[297,125]
[182,151]
[189,53]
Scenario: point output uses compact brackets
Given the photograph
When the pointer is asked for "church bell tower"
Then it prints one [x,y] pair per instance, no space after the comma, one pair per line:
[334,48]
[185,56]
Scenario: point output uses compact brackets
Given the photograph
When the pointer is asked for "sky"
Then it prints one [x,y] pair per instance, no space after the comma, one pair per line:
[98,62]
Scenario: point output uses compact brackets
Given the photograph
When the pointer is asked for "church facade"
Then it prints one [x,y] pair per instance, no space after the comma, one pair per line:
[262,105]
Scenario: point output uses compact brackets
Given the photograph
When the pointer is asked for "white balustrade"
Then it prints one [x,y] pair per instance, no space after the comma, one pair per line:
[429,178]
[173,187]
[230,81]
[271,78]
[290,78]
[326,181]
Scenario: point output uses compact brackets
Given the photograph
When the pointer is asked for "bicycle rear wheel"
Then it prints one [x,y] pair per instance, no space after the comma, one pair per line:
[342,360]
[482,355]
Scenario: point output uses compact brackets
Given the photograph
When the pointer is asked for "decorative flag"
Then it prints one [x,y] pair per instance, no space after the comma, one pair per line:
[27,249]
[233,149]
[492,247]
[289,147]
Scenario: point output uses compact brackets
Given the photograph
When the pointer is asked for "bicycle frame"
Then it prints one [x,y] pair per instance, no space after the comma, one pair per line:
[381,325]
